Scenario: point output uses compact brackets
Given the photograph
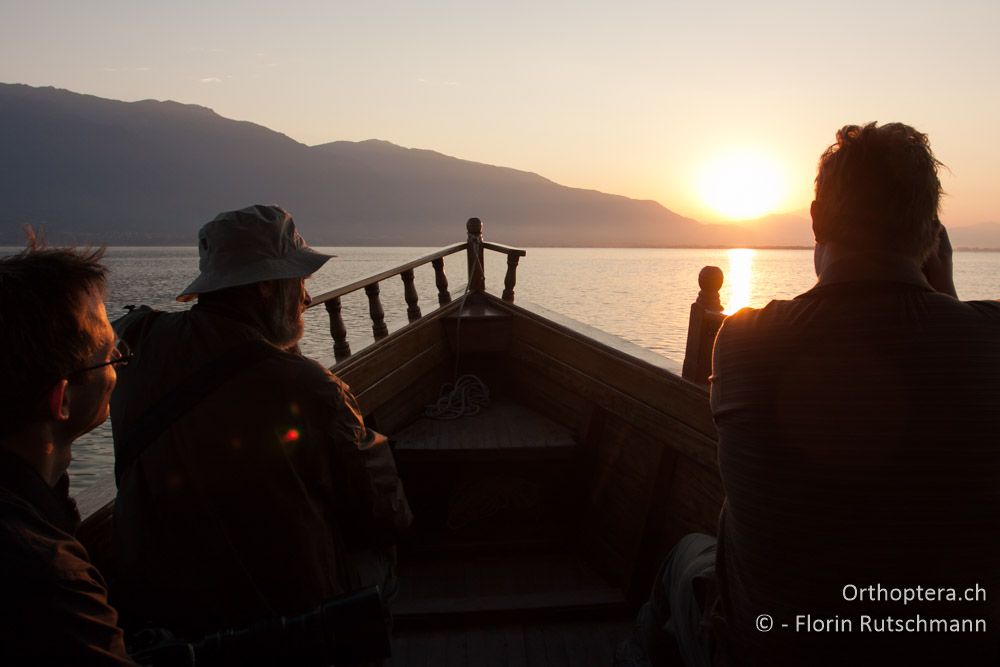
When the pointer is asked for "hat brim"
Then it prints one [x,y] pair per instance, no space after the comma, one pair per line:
[298,263]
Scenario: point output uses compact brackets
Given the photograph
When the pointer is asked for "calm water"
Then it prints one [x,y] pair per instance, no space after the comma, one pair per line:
[642,295]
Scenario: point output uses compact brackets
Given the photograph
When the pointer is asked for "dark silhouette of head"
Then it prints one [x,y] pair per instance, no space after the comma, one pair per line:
[877,190]
[49,326]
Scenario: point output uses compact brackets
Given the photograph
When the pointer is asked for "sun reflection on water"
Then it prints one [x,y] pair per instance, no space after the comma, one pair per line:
[739,279]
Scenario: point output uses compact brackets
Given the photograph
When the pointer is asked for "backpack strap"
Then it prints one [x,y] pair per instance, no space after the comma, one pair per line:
[184,397]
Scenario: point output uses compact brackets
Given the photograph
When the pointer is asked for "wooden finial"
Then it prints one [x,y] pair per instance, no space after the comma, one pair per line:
[703,325]
[474,252]
[710,278]
[710,281]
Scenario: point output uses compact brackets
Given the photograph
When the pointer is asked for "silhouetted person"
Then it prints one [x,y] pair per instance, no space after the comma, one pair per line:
[57,370]
[248,482]
[859,446]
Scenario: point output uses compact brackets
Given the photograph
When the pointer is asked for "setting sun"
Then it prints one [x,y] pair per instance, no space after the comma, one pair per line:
[740,186]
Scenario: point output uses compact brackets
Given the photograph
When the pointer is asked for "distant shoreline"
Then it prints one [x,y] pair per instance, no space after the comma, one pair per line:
[15,248]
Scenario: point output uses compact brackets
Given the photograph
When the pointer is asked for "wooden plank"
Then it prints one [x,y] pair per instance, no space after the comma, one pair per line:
[398,657]
[553,601]
[620,493]
[696,496]
[558,402]
[555,647]
[517,655]
[534,644]
[502,425]
[487,648]
[462,584]
[660,522]
[416,652]
[408,405]
[579,644]
[663,389]
[489,332]
[398,350]
[393,383]
[457,650]
[437,649]
[505,249]
[660,425]
[357,369]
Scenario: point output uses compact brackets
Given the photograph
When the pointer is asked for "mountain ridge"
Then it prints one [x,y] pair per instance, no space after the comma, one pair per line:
[93,170]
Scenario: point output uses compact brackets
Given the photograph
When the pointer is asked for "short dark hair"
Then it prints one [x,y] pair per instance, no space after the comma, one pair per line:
[878,189]
[43,337]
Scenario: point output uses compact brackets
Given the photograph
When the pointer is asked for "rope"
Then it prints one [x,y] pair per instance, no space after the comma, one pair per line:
[468,394]
[466,397]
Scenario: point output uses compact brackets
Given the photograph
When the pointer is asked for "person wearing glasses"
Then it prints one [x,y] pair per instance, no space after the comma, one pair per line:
[58,368]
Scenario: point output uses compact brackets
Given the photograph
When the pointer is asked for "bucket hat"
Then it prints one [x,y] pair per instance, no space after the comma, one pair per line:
[250,245]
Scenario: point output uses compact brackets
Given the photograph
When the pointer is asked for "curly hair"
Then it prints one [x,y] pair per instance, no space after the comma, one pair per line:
[878,189]
[44,335]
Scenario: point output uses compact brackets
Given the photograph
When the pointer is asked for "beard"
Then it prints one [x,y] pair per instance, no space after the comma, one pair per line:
[283,314]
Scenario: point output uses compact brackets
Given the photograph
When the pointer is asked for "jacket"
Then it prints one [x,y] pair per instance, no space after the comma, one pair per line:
[252,501]
[55,604]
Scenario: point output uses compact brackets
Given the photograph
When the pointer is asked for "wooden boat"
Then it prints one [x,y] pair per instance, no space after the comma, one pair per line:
[542,518]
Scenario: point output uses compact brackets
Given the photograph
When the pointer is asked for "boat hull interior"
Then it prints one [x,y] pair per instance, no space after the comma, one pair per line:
[542,518]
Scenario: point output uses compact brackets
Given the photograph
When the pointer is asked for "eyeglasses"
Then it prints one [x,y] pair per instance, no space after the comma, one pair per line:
[120,356]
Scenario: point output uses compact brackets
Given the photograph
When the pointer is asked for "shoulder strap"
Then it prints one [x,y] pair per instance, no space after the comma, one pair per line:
[184,397]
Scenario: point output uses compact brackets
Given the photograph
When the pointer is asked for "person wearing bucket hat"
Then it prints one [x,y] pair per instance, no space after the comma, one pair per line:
[248,482]
[251,245]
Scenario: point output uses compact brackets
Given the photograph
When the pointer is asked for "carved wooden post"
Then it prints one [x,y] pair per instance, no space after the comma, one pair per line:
[441,281]
[511,278]
[341,348]
[477,272]
[706,318]
[379,329]
[410,294]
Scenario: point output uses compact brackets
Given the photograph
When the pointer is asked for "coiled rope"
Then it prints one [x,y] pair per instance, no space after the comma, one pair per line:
[467,396]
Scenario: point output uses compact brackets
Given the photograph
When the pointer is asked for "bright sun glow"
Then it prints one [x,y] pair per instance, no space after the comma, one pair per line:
[739,278]
[740,186]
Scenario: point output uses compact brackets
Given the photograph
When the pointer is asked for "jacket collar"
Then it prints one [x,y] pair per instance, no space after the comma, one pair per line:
[53,503]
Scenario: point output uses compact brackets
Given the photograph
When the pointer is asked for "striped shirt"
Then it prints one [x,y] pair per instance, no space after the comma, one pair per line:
[859,445]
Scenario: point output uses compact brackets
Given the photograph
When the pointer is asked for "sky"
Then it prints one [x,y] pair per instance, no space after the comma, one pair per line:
[634,98]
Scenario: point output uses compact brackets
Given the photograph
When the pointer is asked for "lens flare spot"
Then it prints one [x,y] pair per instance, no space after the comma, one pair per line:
[291,435]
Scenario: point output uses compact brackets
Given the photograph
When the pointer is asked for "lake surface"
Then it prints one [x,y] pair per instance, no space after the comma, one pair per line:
[642,295]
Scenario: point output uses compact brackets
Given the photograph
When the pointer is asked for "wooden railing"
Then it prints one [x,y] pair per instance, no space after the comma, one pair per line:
[703,325]
[705,319]
[474,247]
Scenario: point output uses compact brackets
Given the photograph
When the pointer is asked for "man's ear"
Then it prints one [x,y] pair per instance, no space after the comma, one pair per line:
[59,401]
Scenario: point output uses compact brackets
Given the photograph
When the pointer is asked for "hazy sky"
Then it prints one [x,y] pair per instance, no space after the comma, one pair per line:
[630,98]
